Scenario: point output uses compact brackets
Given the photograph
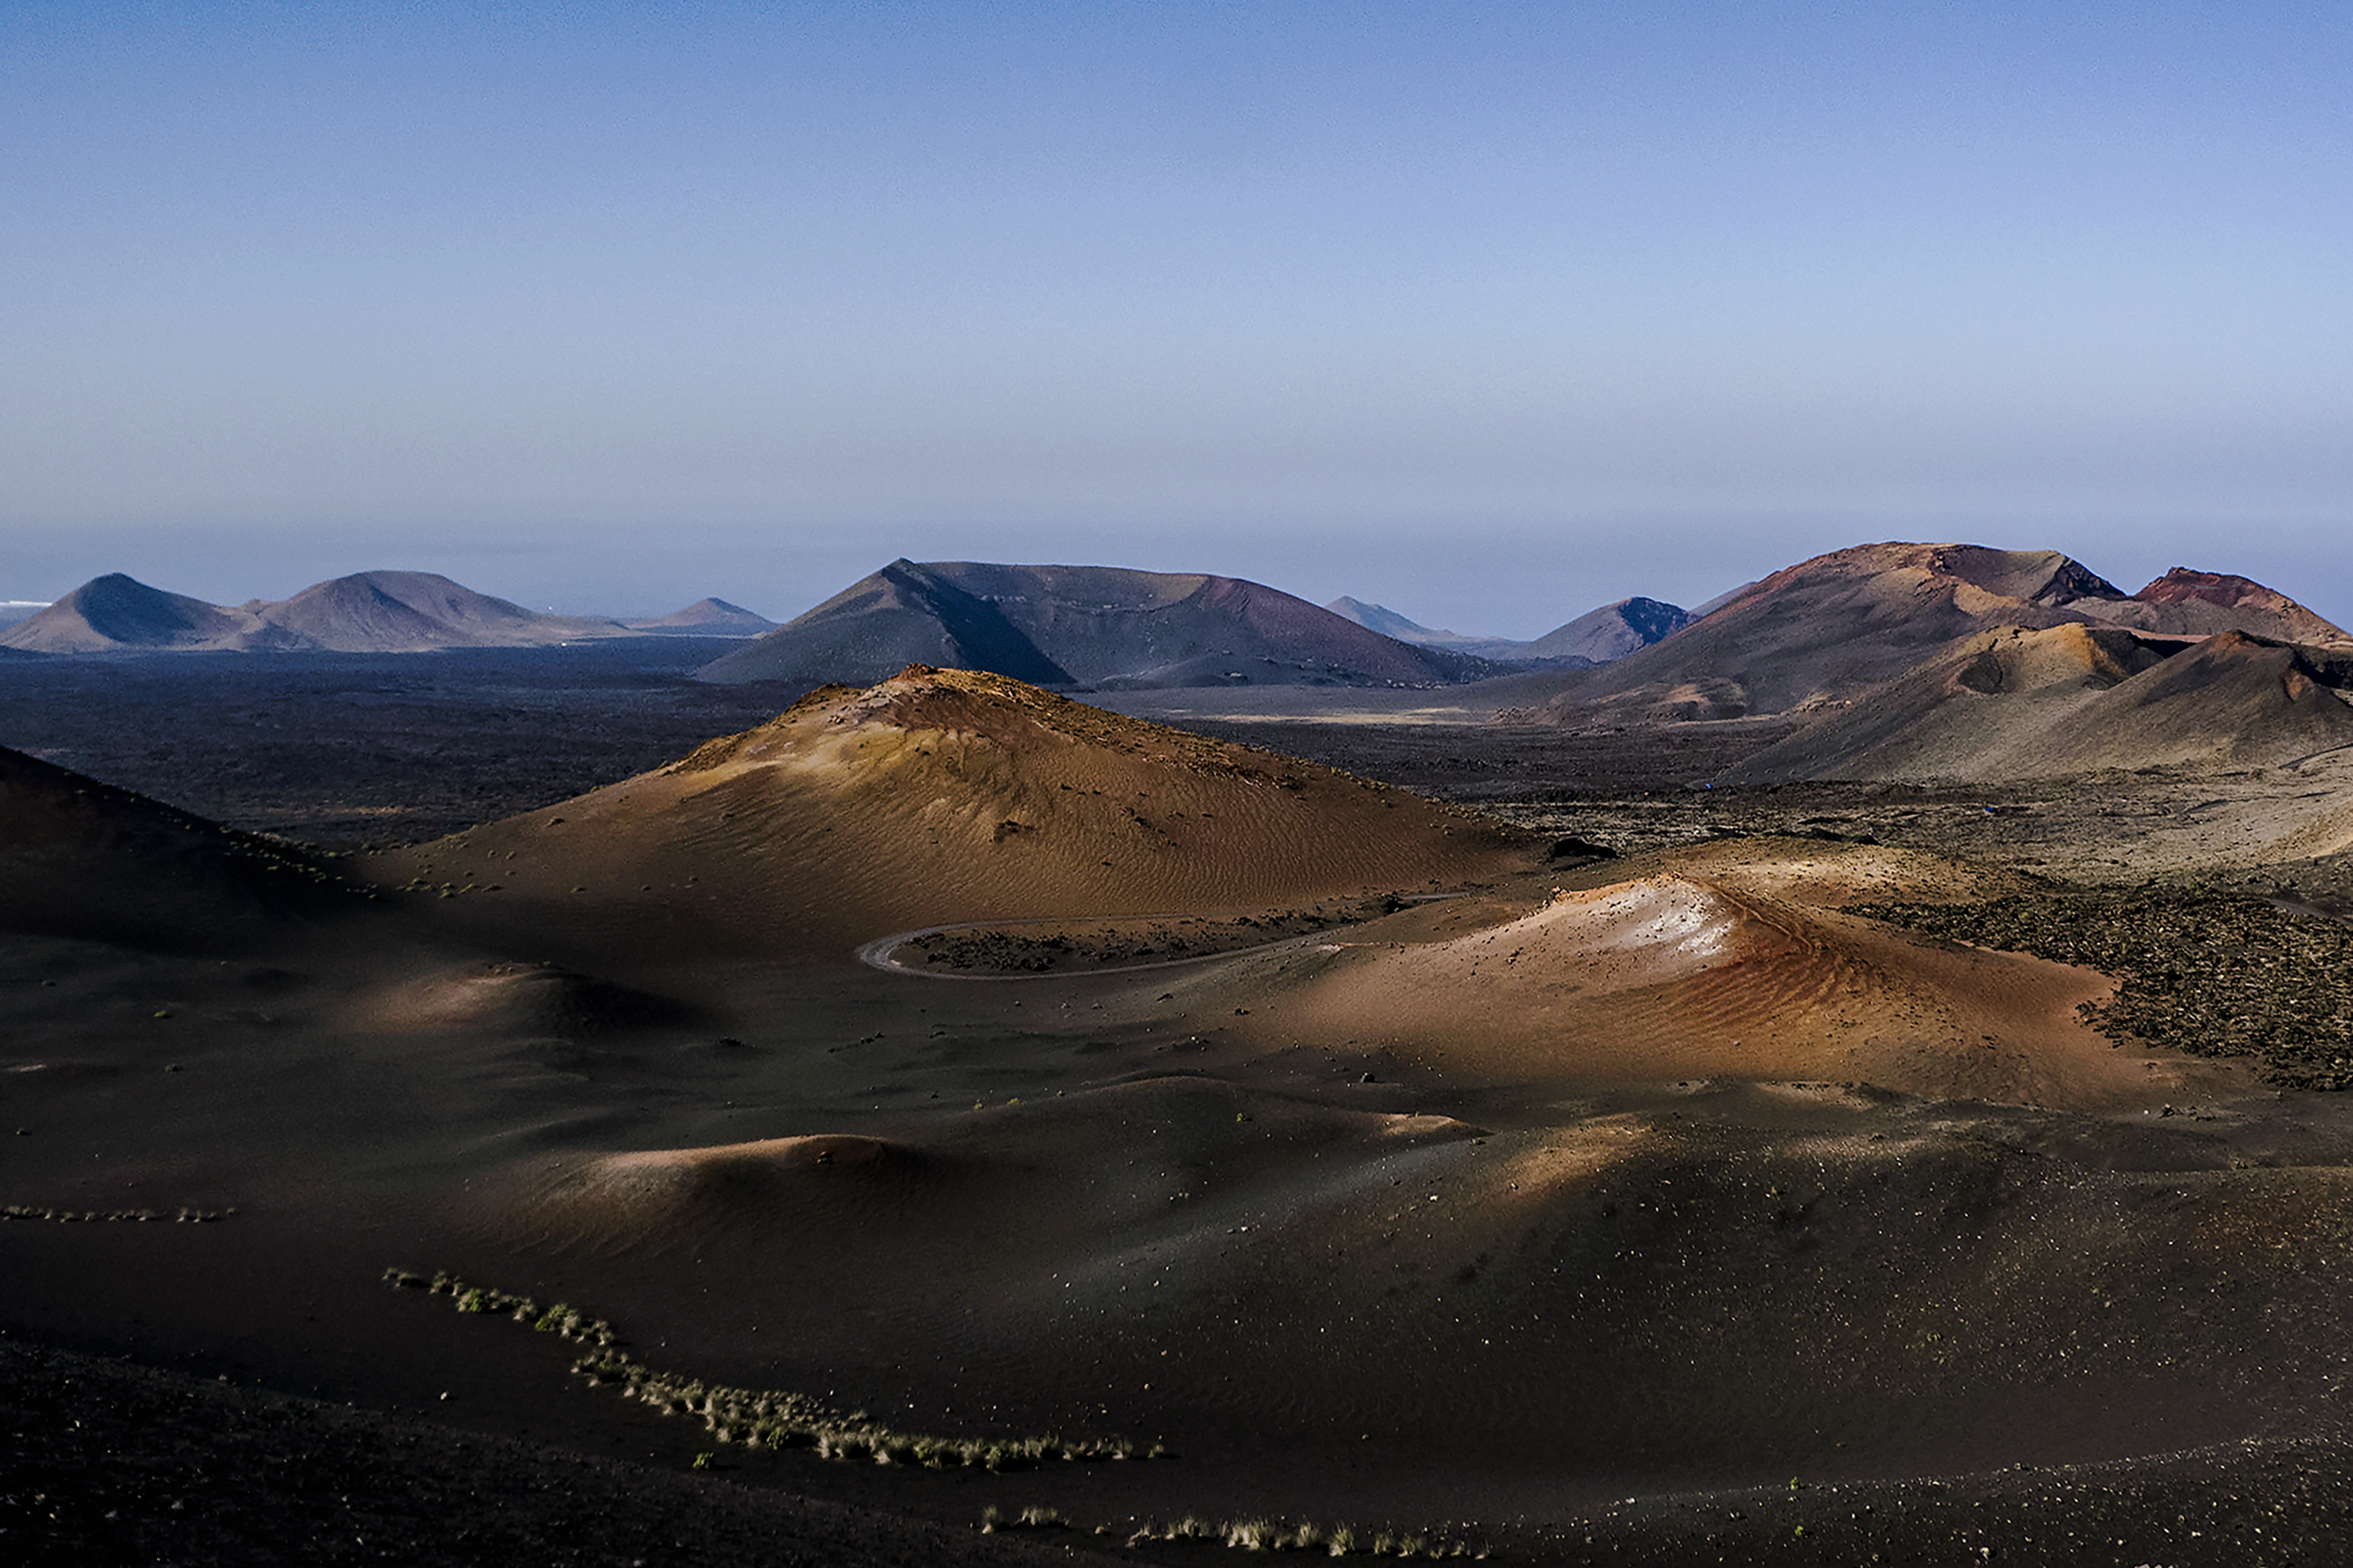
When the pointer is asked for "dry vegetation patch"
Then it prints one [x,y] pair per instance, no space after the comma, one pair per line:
[113,1217]
[1035,948]
[765,1418]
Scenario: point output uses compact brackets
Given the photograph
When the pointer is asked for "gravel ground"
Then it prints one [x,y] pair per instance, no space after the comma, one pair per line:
[2213,973]
[105,1462]
[108,1462]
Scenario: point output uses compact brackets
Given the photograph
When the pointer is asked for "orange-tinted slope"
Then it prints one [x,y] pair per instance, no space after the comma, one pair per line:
[938,796]
[1732,962]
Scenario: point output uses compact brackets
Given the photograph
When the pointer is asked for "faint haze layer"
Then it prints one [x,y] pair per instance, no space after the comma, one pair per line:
[1487,313]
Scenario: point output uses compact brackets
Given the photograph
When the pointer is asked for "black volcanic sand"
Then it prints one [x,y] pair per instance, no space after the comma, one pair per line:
[1482,1309]
[1478,763]
[113,1463]
[1059,947]
[2208,972]
[343,750]
[1340,1286]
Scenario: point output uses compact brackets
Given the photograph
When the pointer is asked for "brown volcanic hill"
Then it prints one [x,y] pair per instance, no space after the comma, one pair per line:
[2198,604]
[1817,634]
[1084,627]
[83,860]
[1612,632]
[1979,709]
[1825,630]
[2232,699]
[116,613]
[2072,700]
[369,612]
[414,612]
[938,796]
[707,617]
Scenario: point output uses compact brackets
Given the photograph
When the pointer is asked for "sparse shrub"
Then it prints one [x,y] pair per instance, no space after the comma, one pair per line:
[1251,1534]
[772,1418]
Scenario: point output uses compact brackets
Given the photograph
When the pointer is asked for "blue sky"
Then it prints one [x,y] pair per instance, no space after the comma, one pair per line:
[1487,312]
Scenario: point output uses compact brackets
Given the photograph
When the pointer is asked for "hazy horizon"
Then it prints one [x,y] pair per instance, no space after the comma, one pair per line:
[1489,315]
[631,610]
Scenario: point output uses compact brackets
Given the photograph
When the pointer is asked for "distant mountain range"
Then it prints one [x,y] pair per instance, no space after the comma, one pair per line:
[1907,659]
[1814,638]
[1073,627]
[706,618]
[369,612]
[1100,627]
[1597,637]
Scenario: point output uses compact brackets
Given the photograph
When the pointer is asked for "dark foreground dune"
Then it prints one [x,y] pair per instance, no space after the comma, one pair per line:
[1469,1217]
[133,1465]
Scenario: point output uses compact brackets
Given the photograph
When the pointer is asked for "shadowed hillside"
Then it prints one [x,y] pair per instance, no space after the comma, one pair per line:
[84,860]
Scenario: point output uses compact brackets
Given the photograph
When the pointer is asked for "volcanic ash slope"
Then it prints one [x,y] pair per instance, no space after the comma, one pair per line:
[1815,637]
[1728,962]
[2013,703]
[938,796]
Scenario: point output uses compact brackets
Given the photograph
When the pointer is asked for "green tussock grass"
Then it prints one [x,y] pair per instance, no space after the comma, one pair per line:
[761,1418]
